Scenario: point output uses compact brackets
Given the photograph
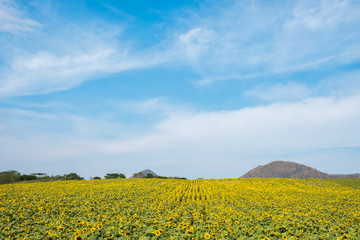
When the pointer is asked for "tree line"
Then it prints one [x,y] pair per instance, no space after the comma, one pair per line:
[135,175]
[13,176]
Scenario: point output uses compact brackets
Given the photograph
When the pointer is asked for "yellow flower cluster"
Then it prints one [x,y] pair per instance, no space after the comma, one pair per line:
[180,209]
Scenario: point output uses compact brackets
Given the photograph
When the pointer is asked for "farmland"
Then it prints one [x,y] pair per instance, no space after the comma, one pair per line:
[180,209]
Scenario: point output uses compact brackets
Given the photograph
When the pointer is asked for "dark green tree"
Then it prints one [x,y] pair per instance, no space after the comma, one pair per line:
[114,175]
[25,177]
[72,176]
[149,175]
[9,176]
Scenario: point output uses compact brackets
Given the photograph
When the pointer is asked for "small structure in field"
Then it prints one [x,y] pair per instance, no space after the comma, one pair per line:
[39,175]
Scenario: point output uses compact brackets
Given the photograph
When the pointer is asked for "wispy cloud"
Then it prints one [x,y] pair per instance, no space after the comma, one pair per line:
[46,62]
[197,138]
[45,72]
[338,85]
[195,42]
[271,47]
[288,127]
[158,106]
[245,39]
[13,20]
[237,40]
[280,92]
[61,64]
[317,15]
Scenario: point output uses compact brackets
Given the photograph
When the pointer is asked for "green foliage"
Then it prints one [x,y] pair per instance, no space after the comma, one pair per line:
[25,177]
[9,177]
[138,175]
[114,175]
[149,175]
[14,176]
[94,178]
[72,176]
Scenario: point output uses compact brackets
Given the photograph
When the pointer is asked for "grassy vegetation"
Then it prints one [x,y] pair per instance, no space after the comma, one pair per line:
[349,182]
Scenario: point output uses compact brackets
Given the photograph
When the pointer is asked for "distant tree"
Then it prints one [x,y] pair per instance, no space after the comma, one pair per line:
[149,175]
[57,177]
[138,175]
[94,178]
[25,177]
[9,176]
[162,177]
[114,175]
[72,176]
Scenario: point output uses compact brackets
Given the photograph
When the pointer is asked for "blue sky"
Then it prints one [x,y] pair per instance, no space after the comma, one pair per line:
[186,88]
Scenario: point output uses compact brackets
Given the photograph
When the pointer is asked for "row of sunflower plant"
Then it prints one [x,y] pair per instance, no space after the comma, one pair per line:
[180,209]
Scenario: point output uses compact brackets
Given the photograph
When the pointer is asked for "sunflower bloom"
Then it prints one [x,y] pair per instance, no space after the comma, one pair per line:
[157,232]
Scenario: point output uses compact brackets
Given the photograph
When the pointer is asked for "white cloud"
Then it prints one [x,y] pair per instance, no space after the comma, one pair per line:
[338,85]
[277,129]
[296,36]
[207,80]
[214,141]
[39,123]
[239,40]
[280,92]
[195,42]
[13,20]
[51,155]
[158,106]
[25,113]
[342,84]
[46,72]
[317,15]
[62,57]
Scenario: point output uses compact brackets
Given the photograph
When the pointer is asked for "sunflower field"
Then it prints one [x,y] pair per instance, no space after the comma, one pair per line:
[180,209]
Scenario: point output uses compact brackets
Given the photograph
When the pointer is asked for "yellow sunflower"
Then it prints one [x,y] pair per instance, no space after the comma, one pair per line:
[157,232]
[99,226]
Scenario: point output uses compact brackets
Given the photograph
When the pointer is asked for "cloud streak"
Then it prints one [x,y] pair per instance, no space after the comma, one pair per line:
[246,40]
[238,40]
[13,20]
[300,126]
[45,72]
[300,62]
[338,85]
[203,138]
[63,59]
[280,92]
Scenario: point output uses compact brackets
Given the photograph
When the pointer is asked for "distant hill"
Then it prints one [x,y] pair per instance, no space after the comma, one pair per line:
[144,173]
[287,169]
